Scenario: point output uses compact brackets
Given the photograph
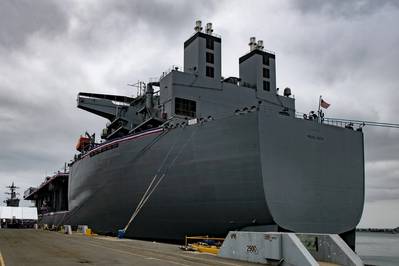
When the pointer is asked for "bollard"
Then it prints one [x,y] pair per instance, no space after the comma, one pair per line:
[68,229]
[35,226]
[82,228]
[121,233]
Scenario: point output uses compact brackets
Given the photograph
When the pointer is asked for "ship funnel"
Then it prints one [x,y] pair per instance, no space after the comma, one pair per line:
[260,45]
[252,43]
[198,27]
[209,29]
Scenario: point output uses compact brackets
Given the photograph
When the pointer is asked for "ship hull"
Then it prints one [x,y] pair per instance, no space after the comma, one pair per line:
[242,171]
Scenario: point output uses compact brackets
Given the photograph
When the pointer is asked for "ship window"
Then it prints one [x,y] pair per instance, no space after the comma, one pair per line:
[266,85]
[185,107]
[265,60]
[210,72]
[210,58]
[266,73]
[209,44]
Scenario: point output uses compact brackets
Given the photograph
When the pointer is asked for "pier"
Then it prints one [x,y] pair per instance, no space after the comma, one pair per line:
[38,247]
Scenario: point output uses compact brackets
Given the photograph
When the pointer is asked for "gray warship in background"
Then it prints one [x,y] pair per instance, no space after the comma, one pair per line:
[209,154]
[13,200]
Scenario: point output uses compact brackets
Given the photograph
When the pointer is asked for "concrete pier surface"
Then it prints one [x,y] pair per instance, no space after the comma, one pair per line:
[38,247]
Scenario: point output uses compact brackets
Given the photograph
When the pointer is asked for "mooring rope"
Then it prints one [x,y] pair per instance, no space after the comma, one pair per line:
[150,190]
[67,216]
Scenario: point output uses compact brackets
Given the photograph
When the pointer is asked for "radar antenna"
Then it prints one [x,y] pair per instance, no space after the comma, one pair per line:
[141,86]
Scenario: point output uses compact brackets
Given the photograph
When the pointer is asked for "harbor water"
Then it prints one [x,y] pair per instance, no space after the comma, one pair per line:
[378,248]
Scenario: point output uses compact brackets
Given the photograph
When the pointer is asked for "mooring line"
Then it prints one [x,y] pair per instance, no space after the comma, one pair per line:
[151,188]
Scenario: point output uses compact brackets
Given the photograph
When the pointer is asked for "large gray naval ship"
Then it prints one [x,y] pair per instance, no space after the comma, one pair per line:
[199,154]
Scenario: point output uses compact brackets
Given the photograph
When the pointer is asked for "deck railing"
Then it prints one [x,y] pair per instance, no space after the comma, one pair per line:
[172,68]
[345,123]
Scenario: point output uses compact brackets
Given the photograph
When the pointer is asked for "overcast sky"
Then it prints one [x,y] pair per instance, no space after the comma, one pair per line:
[346,51]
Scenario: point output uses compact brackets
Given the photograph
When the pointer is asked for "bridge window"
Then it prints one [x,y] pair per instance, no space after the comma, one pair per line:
[210,72]
[266,73]
[210,58]
[209,43]
[266,85]
[265,60]
[185,107]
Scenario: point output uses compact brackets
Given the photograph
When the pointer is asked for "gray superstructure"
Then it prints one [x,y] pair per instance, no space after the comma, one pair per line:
[233,152]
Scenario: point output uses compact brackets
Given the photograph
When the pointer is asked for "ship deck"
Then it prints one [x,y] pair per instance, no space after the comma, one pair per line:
[38,247]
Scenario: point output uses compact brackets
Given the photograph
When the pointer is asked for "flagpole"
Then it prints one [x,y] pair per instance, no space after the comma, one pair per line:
[318,110]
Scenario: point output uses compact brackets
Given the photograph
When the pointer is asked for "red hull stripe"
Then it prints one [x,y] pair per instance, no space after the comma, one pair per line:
[128,138]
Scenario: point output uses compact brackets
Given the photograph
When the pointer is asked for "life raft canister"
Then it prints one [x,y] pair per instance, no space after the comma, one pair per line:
[82,143]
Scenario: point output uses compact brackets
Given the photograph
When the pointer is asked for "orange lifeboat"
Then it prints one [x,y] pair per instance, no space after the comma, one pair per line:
[82,143]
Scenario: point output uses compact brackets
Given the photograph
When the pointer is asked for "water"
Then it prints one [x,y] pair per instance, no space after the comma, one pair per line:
[378,248]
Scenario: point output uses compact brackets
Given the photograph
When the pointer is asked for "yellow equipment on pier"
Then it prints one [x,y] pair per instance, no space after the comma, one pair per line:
[205,244]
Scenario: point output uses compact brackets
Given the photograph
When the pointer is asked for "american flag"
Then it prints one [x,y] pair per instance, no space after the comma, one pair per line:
[324,104]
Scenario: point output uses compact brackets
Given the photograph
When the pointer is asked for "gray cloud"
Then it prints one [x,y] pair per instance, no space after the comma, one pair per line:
[21,19]
[103,24]
[382,182]
[382,144]
[345,9]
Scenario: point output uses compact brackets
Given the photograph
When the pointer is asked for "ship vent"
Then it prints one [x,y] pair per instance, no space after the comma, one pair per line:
[198,26]
[209,29]
[260,45]
[287,92]
[252,43]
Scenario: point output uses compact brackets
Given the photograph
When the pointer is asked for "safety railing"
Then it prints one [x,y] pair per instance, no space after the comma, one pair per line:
[345,123]
[172,68]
